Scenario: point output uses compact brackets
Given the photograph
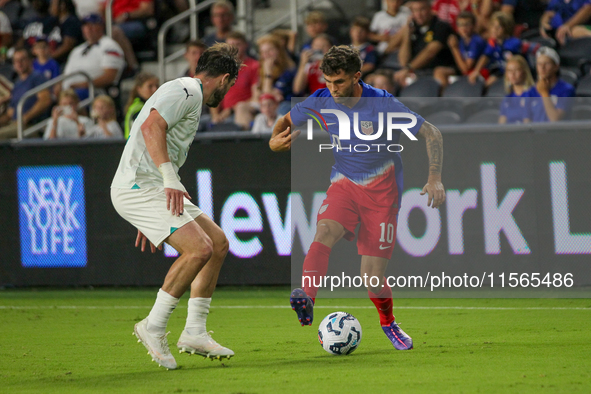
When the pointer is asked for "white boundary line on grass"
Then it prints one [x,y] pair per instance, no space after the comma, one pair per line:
[493,308]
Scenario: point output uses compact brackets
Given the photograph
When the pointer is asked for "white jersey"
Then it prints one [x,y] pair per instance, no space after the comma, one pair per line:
[179,102]
[384,23]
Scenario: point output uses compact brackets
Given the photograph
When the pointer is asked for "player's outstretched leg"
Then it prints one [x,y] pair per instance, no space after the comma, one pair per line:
[303,305]
[384,303]
[399,338]
[195,339]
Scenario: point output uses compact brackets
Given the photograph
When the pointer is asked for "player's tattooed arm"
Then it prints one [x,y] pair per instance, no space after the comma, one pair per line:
[434,142]
[282,136]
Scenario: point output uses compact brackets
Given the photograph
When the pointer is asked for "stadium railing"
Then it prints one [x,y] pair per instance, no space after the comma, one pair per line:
[39,126]
[190,13]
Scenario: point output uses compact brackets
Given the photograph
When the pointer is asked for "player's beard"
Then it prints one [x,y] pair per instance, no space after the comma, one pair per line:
[345,95]
[216,97]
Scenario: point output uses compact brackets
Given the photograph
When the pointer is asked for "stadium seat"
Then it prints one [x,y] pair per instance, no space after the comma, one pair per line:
[544,42]
[574,52]
[423,87]
[463,88]
[584,87]
[487,116]
[569,76]
[444,118]
[497,89]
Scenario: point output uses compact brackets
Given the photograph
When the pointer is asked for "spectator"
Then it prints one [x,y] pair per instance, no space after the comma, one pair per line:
[35,107]
[309,78]
[526,13]
[383,79]
[65,120]
[386,24]
[43,63]
[315,25]
[518,81]
[144,87]
[424,47]
[237,100]
[193,51]
[104,114]
[5,35]
[359,33]
[264,122]
[67,34]
[288,38]
[222,18]
[566,18]
[130,16]
[13,10]
[470,46]
[39,26]
[100,57]
[500,47]
[276,72]
[552,94]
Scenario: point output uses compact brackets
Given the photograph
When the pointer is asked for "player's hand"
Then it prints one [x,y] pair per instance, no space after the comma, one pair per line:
[282,141]
[141,238]
[174,200]
[436,193]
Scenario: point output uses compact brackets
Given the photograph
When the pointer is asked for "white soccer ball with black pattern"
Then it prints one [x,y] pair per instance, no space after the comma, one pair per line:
[339,333]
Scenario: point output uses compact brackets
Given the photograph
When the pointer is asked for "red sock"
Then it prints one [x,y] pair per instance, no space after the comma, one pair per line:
[315,268]
[383,303]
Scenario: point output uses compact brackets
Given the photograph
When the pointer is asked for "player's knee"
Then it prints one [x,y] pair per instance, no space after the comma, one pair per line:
[221,245]
[325,234]
[202,251]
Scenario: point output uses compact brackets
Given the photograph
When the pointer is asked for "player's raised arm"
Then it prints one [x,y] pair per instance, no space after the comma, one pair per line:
[282,136]
[434,141]
[154,132]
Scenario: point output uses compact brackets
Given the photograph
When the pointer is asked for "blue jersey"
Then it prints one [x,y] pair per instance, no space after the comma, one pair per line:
[560,95]
[49,70]
[499,54]
[564,10]
[474,49]
[515,108]
[364,162]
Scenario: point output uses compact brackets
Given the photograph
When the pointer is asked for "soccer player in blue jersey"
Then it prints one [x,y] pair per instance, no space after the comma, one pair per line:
[365,189]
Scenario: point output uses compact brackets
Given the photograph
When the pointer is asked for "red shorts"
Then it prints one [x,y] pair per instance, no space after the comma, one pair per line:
[347,204]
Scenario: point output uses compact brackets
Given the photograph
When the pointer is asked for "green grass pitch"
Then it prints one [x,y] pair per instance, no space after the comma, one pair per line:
[69,341]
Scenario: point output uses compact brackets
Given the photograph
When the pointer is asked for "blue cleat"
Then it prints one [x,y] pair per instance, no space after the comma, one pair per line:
[399,339]
[303,305]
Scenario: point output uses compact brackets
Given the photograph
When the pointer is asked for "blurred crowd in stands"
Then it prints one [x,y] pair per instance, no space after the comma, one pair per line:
[535,54]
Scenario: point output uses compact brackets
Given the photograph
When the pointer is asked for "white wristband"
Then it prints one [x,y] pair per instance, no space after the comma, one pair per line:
[171,181]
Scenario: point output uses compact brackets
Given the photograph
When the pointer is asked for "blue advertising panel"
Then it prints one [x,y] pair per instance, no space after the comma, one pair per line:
[52,216]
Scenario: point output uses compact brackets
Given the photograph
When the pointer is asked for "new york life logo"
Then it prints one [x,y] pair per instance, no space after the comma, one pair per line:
[364,130]
[52,216]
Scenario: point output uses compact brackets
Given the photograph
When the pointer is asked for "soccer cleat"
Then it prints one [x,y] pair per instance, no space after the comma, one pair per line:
[303,305]
[157,346]
[399,339]
[204,345]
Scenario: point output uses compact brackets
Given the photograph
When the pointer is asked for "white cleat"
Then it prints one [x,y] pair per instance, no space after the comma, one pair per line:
[203,345]
[157,346]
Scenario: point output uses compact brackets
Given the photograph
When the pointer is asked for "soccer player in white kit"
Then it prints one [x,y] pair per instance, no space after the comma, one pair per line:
[147,192]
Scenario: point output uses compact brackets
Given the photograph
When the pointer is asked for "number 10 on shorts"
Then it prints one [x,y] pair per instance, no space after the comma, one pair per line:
[387,236]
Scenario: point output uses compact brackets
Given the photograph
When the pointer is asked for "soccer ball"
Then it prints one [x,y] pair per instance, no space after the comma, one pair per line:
[339,333]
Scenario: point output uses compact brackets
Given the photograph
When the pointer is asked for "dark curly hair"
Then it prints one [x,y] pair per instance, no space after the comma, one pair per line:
[219,59]
[339,58]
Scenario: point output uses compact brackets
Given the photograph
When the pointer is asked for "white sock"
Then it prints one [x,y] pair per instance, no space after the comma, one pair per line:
[197,315]
[160,313]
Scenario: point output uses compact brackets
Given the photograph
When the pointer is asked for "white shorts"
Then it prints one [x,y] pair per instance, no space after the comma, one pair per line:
[146,210]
